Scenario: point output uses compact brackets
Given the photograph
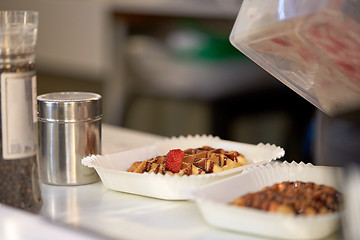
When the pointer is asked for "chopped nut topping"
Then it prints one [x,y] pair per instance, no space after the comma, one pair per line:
[298,198]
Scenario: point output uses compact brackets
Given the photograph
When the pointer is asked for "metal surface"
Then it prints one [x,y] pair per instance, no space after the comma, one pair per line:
[69,106]
[69,129]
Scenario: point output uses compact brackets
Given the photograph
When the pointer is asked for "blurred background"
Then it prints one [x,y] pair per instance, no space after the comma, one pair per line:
[167,67]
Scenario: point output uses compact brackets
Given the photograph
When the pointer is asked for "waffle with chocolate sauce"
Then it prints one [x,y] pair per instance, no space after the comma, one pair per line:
[197,161]
[297,198]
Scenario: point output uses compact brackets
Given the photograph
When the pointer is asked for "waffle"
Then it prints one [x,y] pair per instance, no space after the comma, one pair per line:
[297,198]
[197,161]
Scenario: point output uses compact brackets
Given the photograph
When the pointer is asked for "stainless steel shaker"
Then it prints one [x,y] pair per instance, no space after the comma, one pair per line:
[69,129]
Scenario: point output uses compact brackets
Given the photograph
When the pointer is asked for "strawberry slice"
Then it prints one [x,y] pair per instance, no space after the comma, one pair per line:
[174,159]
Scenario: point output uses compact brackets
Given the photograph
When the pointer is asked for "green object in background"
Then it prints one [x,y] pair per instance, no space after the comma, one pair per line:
[195,40]
[219,48]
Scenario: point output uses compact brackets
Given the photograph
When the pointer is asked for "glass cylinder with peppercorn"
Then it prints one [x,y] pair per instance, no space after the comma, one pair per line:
[19,173]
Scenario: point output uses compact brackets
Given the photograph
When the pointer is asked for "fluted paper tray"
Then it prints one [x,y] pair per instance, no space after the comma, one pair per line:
[213,201]
[112,168]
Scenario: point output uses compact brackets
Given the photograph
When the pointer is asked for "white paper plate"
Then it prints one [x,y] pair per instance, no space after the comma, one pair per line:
[213,201]
[112,168]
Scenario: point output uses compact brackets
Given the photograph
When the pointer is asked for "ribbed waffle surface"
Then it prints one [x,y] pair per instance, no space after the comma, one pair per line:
[299,198]
[197,161]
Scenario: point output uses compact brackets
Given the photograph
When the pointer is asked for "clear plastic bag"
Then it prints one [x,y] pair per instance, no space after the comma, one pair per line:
[313,47]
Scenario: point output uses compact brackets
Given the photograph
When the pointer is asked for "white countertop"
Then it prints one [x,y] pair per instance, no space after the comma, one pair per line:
[95,212]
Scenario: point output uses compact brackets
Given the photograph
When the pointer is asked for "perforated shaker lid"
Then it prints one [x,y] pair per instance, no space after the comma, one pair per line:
[69,106]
